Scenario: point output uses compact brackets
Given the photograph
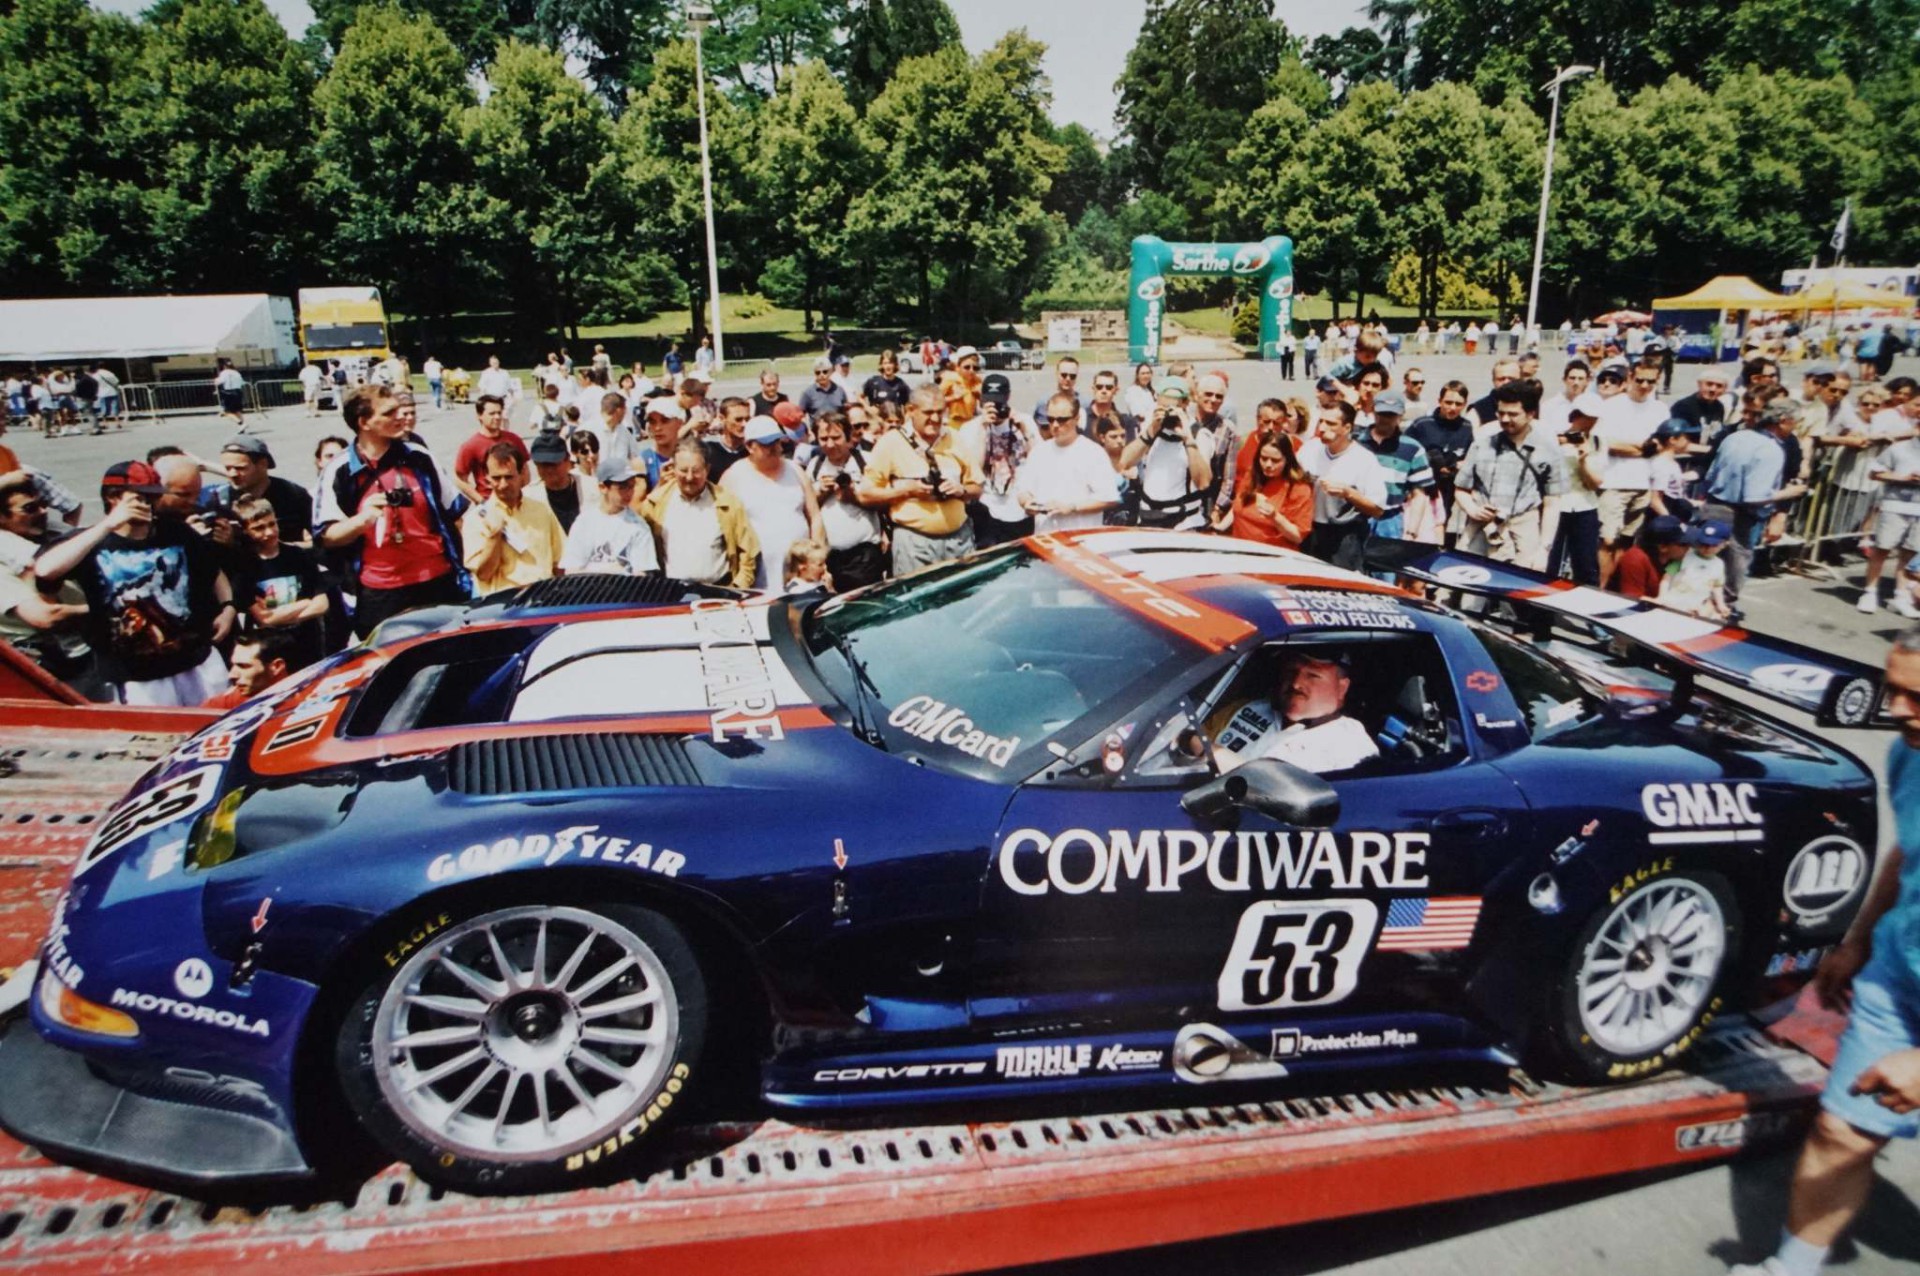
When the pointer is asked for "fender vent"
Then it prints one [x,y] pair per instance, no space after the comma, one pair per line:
[490,768]
[591,589]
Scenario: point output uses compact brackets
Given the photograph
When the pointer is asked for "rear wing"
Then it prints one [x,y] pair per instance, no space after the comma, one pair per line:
[1835,690]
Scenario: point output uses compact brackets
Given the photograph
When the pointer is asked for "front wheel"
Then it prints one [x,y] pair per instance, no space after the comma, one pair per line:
[1643,978]
[526,1049]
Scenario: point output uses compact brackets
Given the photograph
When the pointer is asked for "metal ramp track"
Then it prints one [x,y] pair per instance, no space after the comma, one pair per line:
[770,1196]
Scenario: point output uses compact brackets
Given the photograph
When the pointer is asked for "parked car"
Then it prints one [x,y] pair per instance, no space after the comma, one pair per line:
[1012,356]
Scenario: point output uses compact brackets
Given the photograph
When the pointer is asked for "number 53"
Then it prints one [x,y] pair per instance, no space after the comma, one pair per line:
[1297,953]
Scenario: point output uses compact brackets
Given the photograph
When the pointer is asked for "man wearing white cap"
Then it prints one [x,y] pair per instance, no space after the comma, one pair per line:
[1577,541]
[960,387]
[666,421]
[779,501]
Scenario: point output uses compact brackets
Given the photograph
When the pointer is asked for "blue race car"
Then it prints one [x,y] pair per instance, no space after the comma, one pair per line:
[507,891]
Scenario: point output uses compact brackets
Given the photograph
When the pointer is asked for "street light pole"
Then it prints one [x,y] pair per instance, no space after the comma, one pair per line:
[1546,188]
[698,16]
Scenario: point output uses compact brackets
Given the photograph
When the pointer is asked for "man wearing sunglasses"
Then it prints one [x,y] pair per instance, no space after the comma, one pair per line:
[1066,375]
[1067,482]
[1626,422]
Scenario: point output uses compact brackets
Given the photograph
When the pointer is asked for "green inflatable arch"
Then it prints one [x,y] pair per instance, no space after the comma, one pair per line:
[1155,261]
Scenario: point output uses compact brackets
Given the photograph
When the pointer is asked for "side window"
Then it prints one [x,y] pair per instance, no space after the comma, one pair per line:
[1552,699]
[1393,693]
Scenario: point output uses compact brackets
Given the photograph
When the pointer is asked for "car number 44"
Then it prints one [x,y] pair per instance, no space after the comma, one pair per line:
[1297,953]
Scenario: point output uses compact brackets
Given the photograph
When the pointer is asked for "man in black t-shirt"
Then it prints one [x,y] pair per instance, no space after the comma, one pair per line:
[157,600]
[1446,435]
[281,589]
[769,396]
[1705,409]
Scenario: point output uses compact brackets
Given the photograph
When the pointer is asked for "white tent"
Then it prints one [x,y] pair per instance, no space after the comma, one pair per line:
[250,328]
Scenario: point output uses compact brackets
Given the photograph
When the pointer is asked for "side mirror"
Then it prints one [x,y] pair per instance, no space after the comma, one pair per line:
[1278,790]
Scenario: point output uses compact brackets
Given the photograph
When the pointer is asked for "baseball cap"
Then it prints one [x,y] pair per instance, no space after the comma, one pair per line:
[547,448]
[764,429]
[250,445]
[1612,373]
[844,361]
[822,364]
[1665,529]
[132,476]
[788,414]
[1671,427]
[1588,404]
[1170,388]
[965,352]
[1823,370]
[694,374]
[666,406]
[625,474]
[1391,402]
[1327,385]
[1710,531]
[995,388]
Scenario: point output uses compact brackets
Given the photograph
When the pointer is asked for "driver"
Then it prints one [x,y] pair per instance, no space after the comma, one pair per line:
[1304,722]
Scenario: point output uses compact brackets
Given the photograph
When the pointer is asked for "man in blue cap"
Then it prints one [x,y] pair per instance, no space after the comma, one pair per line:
[1403,459]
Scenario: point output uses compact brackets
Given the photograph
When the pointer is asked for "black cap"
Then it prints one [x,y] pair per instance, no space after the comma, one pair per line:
[547,448]
[995,388]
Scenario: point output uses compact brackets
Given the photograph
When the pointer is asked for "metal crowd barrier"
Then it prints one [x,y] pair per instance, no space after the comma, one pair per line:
[155,399]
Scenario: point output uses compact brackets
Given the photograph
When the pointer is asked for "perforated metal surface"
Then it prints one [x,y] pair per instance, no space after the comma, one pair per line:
[768,1196]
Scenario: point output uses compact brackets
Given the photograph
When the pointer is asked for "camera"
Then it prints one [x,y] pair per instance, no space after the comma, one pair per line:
[933,473]
[1167,421]
[844,481]
[399,497]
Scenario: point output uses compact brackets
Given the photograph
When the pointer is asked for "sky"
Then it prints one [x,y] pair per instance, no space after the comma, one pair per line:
[1087,40]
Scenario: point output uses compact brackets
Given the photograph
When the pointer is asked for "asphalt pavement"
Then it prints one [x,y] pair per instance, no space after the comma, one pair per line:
[1672,1222]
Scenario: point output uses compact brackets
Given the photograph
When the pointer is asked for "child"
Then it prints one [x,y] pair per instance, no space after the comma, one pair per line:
[1668,450]
[1697,584]
[806,568]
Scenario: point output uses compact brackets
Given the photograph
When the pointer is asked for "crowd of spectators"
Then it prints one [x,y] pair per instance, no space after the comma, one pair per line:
[1601,479]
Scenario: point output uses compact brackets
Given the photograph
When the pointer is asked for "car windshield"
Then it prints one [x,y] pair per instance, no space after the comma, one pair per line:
[976,666]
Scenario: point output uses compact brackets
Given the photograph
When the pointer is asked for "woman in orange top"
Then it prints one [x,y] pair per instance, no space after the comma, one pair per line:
[1276,506]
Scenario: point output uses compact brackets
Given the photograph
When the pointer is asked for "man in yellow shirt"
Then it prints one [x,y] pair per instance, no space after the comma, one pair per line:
[510,541]
[925,483]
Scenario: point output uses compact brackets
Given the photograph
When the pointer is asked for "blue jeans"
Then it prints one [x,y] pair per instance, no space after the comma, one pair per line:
[435,386]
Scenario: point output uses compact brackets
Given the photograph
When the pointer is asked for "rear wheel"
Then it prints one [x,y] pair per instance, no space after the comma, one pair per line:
[526,1049]
[1642,980]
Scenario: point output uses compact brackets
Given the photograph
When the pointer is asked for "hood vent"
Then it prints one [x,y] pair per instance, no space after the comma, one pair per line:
[593,589]
[537,764]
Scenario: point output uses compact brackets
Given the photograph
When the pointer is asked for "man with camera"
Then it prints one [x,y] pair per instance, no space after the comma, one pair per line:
[856,540]
[1510,485]
[388,499]
[1170,463]
[925,483]
[998,444]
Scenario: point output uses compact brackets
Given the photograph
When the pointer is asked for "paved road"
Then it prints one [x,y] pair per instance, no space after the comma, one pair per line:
[1678,1223]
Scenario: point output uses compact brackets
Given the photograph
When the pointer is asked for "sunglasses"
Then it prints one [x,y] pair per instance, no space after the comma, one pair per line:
[1060,420]
[1410,381]
[1068,376]
[1645,381]
[969,367]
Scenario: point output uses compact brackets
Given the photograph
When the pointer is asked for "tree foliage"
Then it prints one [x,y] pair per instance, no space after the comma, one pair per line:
[1197,71]
[811,164]
[881,34]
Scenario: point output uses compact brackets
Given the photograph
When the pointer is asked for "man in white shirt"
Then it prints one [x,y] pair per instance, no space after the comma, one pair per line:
[498,382]
[1303,723]
[1350,488]
[1626,422]
[1173,462]
[612,539]
[1067,482]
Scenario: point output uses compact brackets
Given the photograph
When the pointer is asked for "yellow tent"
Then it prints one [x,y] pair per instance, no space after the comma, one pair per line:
[1822,296]
[1726,292]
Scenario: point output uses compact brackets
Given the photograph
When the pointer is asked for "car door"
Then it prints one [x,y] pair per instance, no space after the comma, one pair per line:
[1115,899]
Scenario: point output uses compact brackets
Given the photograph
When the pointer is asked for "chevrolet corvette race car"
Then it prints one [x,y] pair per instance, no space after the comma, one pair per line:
[505,892]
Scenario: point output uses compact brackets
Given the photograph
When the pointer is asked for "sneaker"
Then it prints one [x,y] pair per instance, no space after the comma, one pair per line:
[1765,1267]
[1869,602]
[1903,604]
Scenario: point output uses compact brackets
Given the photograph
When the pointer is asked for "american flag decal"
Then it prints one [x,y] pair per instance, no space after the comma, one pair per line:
[1423,925]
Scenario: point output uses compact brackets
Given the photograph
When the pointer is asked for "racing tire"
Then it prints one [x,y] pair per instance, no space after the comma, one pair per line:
[525,1049]
[1644,977]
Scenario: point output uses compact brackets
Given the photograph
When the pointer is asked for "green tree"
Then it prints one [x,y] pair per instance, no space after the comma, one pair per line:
[957,204]
[219,108]
[881,34]
[1197,70]
[1499,238]
[1442,147]
[755,43]
[1801,147]
[811,166]
[65,182]
[1352,57]
[1889,222]
[1300,84]
[1343,195]
[1082,176]
[1599,197]
[474,26]
[1264,174]
[540,146]
[656,156]
[391,163]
